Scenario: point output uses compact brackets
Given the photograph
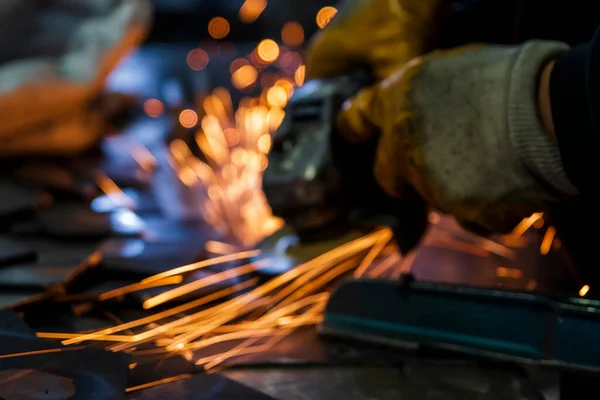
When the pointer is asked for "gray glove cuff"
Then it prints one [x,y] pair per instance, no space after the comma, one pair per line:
[534,146]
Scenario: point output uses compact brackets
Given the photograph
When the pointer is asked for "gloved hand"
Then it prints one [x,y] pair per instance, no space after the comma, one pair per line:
[460,127]
[54,58]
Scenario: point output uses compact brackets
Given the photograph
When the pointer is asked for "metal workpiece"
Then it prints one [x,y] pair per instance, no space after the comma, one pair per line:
[497,324]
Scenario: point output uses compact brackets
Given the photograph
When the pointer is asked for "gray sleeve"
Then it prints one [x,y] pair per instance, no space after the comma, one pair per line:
[535,147]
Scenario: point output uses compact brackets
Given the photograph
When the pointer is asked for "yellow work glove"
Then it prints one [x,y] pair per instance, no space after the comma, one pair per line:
[460,127]
[381,34]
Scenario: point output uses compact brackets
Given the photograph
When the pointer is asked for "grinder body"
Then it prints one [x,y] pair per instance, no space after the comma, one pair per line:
[317,181]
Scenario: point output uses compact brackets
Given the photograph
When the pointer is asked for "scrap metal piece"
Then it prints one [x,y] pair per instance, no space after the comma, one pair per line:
[506,325]
[58,177]
[11,299]
[12,252]
[35,276]
[147,258]
[18,202]
[29,384]
[74,220]
[97,374]
[11,324]
[60,267]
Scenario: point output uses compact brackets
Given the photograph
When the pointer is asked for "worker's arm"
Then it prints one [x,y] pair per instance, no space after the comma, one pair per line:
[574,98]
[465,128]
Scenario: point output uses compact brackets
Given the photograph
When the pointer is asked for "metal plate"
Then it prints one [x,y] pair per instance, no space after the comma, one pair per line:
[58,263]
[97,374]
[10,299]
[34,276]
[17,201]
[147,258]
[13,251]
[78,221]
[208,387]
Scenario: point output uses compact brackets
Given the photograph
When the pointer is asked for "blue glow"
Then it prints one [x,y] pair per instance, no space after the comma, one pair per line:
[115,201]
[126,222]
[133,248]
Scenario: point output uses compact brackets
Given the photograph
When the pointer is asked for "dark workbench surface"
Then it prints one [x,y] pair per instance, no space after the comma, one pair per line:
[302,366]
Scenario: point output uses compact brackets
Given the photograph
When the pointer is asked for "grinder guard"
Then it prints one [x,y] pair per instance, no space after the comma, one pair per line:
[316,179]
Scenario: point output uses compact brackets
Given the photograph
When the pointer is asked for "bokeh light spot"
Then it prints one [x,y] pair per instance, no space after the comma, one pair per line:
[244,77]
[237,64]
[268,50]
[325,15]
[188,118]
[197,59]
[292,34]
[277,97]
[290,61]
[300,75]
[218,28]
[264,143]
[154,108]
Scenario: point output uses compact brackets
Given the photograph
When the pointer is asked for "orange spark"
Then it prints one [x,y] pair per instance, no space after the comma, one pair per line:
[203,264]
[64,336]
[37,352]
[136,287]
[99,335]
[513,273]
[157,383]
[251,10]
[583,291]
[547,241]
[204,282]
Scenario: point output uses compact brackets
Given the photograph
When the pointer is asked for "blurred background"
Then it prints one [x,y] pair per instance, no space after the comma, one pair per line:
[170,212]
[197,45]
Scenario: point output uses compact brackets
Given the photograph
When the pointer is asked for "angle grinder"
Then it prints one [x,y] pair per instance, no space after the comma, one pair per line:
[323,187]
